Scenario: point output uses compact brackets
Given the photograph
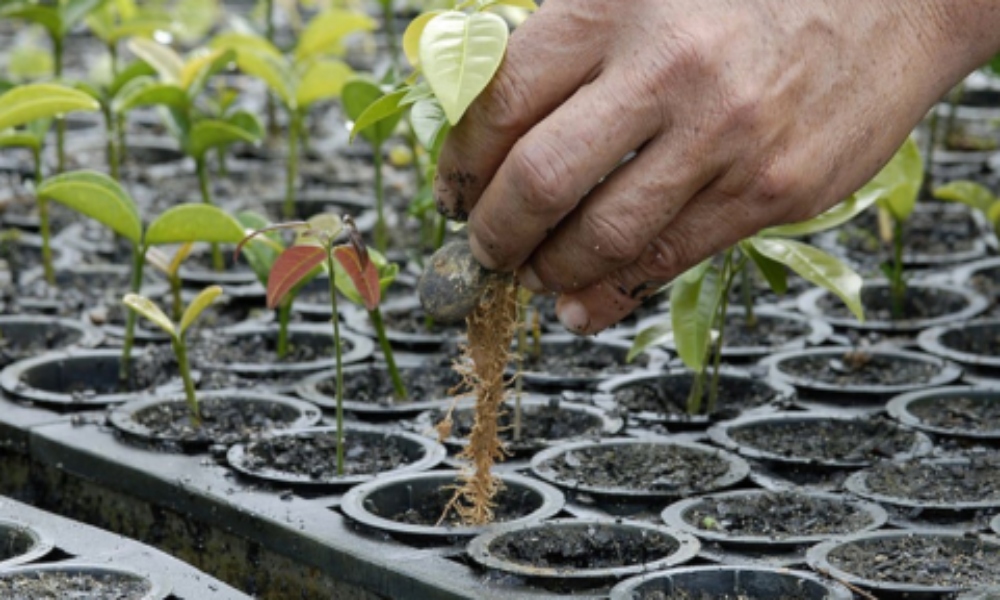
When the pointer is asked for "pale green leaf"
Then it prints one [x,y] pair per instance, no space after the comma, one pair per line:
[693,304]
[213,133]
[528,5]
[969,193]
[27,103]
[273,70]
[459,54]
[203,300]
[133,70]
[72,12]
[201,66]
[412,35]
[386,107]
[833,217]
[817,267]
[356,96]
[167,63]
[97,196]
[322,80]
[774,273]
[194,223]
[428,120]
[326,30]
[898,183]
[46,16]
[146,91]
[27,62]
[149,309]
[416,93]
[650,337]
[21,139]
[174,266]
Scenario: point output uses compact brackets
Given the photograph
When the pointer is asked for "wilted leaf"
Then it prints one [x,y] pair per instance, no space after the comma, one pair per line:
[200,302]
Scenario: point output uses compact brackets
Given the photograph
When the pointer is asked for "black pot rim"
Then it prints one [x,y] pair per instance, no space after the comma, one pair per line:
[738,468]
[353,505]
[673,516]
[479,549]
[899,409]
[159,587]
[90,337]
[308,389]
[817,555]
[949,372]
[808,303]
[655,359]
[930,341]
[361,349]
[995,524]
[434,454]
[121,416]
[857,484]
[719,434]
[41,543]
[357,320]
[626,589]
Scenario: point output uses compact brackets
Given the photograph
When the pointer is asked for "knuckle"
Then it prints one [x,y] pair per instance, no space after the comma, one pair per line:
[506,105]
[541,175]
[610,239]
[663,258]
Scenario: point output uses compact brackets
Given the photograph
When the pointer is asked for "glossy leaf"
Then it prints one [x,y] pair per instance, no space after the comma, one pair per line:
[356,97]
[290,269]
[198,304]
[815,266]
[411,37]
[201,66]
[27,103]
[693,304]
[131,71]
[97,196]
[167,63]
[364,277]
[194,223]
[326,30]
[459,54]
[528,5]
[898,183]
[73,12]
[969,193]
[149,309]
[387,106]
[146,91]
[20,139]
[774,273]
[650,337]
[428,120]
[256,57]
[322,80]
[833,217]
[213,133]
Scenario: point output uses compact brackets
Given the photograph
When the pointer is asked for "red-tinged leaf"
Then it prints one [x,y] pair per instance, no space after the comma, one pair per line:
[363,274]
[289,269]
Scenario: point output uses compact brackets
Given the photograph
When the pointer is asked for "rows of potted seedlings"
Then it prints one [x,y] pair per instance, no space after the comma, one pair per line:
[215,229]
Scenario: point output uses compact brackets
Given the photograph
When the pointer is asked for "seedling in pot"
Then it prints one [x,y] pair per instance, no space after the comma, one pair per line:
[974,195]
[315,246]
[171,269]
[176,331]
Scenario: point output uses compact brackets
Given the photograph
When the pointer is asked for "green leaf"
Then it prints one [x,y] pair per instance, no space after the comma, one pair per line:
[417,92]
[459,54]
[969,193]
[201,66]
[149,309]
[30,63]
[386,107]
[292,268]
[528,5]
[898,183]
[326,30]
[213,133]
[357,95]
[20,139]
[46,16]
[322,80]
[131,71]
[774,273]
[27,103]
[652,336]
[264,249]
[817,267]
[411,37]
[194,223]
[167,63]
[99,197]
[693,304]
[428,120]
[258,58]
[146,91]
[203,300]
[72,12]
[833,217]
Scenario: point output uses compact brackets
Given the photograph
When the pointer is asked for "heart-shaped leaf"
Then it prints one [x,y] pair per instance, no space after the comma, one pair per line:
[149,309]
[146,91]
[97,196]
[363,275]
[459,54]
[213,133]
[203,300]
[27,103]
[194,223]
[290,269]
[385,107]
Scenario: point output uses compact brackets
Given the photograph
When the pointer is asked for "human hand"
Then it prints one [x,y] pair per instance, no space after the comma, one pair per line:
[743,114]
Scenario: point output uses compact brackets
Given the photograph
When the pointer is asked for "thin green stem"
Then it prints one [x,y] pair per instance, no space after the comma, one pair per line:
[392,43]
[292,167]
[120,132]
[43,222]
[176,303]
[390,361]
[57,52]
[201,166]
[746,295]
[729,276]
[182,363]
[381,230]
[272,117]
[138,262]
[112,148]
[335,319]
[284,316]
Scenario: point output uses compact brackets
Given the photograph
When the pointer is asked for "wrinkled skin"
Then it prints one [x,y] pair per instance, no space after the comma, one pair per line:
[742,114]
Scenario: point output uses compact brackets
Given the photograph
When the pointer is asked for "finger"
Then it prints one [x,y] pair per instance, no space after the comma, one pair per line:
[618,220]
[550,170]
[548,58]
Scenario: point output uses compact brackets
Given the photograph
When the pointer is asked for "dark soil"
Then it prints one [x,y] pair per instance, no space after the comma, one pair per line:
[581,357]
[259,349]
[667,395]
[859,368]
[694,595]
[768,332]
[965,413]
[372,385]
[149,371]
[921,560]
[415,321]
[777,515]
[595,546]
[982,340]
[919,303]
[314,455]
[43,338]
[428,508]
[225,421]
[938,482]
[663,468]
[861,441]
[77,291]
[13,542]
[60,585]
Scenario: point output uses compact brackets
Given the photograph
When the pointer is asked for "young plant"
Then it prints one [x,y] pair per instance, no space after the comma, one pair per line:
[699,298]
[974,195]
[57,18]
[314,247]
[171,269]
[147,308]
[299,80]
[117,20]
[32,107]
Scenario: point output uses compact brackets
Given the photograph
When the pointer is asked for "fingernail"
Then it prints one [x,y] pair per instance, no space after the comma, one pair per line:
[480,253]
[573,315]
[529,280]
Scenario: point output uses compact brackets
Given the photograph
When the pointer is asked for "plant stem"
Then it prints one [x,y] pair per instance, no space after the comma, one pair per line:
[388,14]
[120,131]
[381,231]
[284,315]
[335,318]
[746,294]
[112,148]
[57,52]
[43,222]
[729,276]
[206,196]
[138,261]
[390,361]
[272,118]
[292,168]
[182,363]
[177,306]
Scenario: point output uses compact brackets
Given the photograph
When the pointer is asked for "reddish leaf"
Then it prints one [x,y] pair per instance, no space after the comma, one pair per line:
[363,274]
[290,268]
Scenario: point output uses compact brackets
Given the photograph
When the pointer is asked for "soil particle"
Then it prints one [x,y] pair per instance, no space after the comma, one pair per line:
[859,368]
[593,547]
[14,542]
[667,395]
[43,338]
[314,455]
[417,321]
[777,515]
[427,509]
[974,414]
[695,595]
[260,348]
[768,332]
[59,585]
[919,303]
[938,482]
[580,357]
[372,385]
[982,340]
[224,420]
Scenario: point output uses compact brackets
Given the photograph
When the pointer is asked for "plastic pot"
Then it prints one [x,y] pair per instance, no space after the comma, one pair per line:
[18,331]
[972,344]
[420,452]
[416,337]
[21,543]
[735,582]
[140,587]
[313,301]
[383,504]
[859,484]
[238,280]
[568,361]
[79,288]
[311,202]
[938,401]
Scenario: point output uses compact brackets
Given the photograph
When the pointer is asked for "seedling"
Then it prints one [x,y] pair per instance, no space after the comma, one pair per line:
[974,195]
[315,246]
[176,331]
[171,269]
[300,80]
[114,21]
